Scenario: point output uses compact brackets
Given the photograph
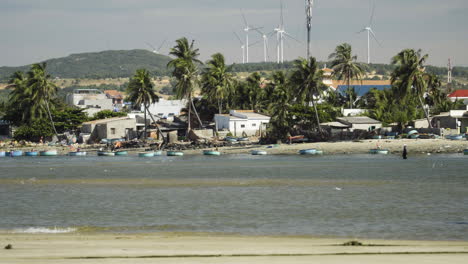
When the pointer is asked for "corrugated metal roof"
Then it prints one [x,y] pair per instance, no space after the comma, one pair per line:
[358,120]
[459,94]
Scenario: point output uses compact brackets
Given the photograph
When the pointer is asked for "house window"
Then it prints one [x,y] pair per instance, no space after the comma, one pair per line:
[242,126]
[254,125]
[113,131]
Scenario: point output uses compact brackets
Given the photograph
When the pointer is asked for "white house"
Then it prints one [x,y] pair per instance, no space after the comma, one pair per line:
[242,122]
[167,108]
[360,122]
[91,100]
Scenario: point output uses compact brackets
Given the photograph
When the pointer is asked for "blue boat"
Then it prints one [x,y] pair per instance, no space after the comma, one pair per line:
[211,153]
[146,154]
[158,153]
[243,139]
[456,137]
[2,153]
[379,151]
[77,153]
[465,151]
[48,153]
[175,153]
[121,153]
[31,153]
[308,151]
[106,153]
[259,152]
[16,153]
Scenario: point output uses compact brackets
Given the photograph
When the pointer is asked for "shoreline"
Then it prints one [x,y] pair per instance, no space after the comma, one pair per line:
[395,146]
[221,248]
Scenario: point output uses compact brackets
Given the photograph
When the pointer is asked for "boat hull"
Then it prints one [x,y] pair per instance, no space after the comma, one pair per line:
[259,152]
[379,151]
[2,153]
[16,153]
[308,152]
[105,154]
[465,151]
[77,153]
[211,153]
[31,153]
[48,153]
[121,153]
[175,153]
[146,154]
[158,153]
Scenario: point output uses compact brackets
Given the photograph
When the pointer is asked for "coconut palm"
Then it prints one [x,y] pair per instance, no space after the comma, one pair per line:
[345,66]
[279,104]
[19,99]
[410,74]
[254,90]
[42,91]
[217,82]
[140,91]
[306,79]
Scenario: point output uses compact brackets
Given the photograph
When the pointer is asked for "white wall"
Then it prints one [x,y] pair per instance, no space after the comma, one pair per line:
[166,108]
[365,126]
[250,127]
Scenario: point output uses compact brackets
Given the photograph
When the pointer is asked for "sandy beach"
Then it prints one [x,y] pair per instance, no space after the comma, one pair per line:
[214,248]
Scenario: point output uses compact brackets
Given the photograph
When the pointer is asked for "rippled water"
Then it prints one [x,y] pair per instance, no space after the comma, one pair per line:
[425,197]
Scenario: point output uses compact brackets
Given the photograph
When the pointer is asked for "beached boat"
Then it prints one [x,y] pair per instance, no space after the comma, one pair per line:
[308,151]
[259,152]
[15,153]
[211,153]
[232,140]
[379,151]
[465,151]
[158,153]
[377,137]
[48,153]
[457,137]
[243,139]
[319,152]
[106,153]
[175,153]
[77,153]
[121,153]
[31,153]
[146,154]
[2,153]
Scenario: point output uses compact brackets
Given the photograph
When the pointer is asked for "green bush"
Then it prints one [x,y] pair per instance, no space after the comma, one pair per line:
[107,114]
[34,131]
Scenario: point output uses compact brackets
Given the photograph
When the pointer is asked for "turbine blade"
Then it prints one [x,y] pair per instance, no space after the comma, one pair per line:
[359,32]
[257,28]
[291,37]
[255,43]
[162,44]
[372,13]
[151,46]
[282,18]
[373,35]
[242,43]
[245,19]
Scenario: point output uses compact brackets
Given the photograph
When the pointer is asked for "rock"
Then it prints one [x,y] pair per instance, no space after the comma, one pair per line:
[9,246]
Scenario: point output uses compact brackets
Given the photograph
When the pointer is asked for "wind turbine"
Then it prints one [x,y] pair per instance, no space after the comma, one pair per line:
[157,51]
[242,47]
[247,28]
[266,56]
[280,36]
[369,33]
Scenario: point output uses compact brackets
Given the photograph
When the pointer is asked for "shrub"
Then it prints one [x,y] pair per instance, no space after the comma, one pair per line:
[34,131]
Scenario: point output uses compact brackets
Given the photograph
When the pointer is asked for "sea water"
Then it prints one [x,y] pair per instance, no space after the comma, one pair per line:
[357,196]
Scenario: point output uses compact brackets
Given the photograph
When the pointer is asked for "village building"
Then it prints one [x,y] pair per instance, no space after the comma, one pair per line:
[110,128]
[117,99]
[167,109]
[242,123]
[461,119]
[461,95]
[91,100]
[360,123]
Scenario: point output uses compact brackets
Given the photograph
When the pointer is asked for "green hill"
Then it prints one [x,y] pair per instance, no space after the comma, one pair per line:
[97,65]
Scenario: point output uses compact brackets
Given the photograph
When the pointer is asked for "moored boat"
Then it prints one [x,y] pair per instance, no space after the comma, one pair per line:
[259,152]
[121,153]
[308,151]
[30,153]
[77,153]
[2,153]
[16,153]
[211,153]
[319,152]
[456,137]
[175,153]
[48,153]
[379,151]
[146,154]
[158,153]
[243,139]
[106,153]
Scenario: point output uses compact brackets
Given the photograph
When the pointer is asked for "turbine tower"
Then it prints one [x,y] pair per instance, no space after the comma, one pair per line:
[309,7]
[280,36]
[247,28]
[265,44]
[242,47]
[369,33]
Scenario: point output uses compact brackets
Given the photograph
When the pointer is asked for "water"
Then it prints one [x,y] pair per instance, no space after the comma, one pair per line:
[360,196]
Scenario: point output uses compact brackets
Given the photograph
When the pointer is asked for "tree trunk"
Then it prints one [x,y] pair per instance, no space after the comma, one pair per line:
[50,117]
[189,127]
[145,134]
[317,117]
[157,127]
[220,106]
[350,94]
[196,114]
[425,113]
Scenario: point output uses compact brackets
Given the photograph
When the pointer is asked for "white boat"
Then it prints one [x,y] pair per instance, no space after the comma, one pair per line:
[77,153]
[259,152]
[379,151]
[106,153]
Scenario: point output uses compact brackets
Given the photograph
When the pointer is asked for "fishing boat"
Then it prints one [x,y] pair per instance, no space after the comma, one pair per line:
[31,153]
[243,139]
[16,153]
[158,153]
[77,153]
[106,153]
[2,153]
[379,151]
[175,153]
[319,152]
[48,153]
[121,153]
[456,137]
[211,153]
[146,154]
[465,151]
[308,151]
[259,152]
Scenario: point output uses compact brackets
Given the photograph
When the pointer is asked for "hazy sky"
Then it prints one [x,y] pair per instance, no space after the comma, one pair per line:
[35,30]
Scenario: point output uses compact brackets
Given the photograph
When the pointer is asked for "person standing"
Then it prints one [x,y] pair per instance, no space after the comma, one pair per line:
[405,152]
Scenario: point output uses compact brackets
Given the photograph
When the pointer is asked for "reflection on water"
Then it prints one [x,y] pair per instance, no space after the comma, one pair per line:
[425,197]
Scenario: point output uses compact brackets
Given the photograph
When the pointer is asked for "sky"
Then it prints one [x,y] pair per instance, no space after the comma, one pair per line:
[36,30]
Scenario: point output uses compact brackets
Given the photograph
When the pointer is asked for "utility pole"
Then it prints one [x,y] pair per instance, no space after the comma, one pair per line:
[309,6]
[449,76]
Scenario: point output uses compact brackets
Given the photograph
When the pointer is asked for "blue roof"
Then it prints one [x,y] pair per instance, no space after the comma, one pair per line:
[361,90]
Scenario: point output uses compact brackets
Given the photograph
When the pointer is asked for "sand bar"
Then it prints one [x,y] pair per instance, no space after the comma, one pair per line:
[212,248]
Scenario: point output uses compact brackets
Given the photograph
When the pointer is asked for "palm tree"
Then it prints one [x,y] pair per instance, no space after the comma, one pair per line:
[19,99]
[307,82]
[42,91]
[410,74]
[184,69]
[140,91]
[217,82]
[254,90]
[345,66]
[279,103]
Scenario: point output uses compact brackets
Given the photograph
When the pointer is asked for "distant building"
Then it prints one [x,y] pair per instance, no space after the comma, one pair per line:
[167,109]
[461,95]
[360,122]
[92,100]
[117,98]
[242,122]
[461,119]
[110,128]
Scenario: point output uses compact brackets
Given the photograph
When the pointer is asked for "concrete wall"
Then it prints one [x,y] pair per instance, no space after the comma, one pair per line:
[249,127]
[365,126]
[166,108]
